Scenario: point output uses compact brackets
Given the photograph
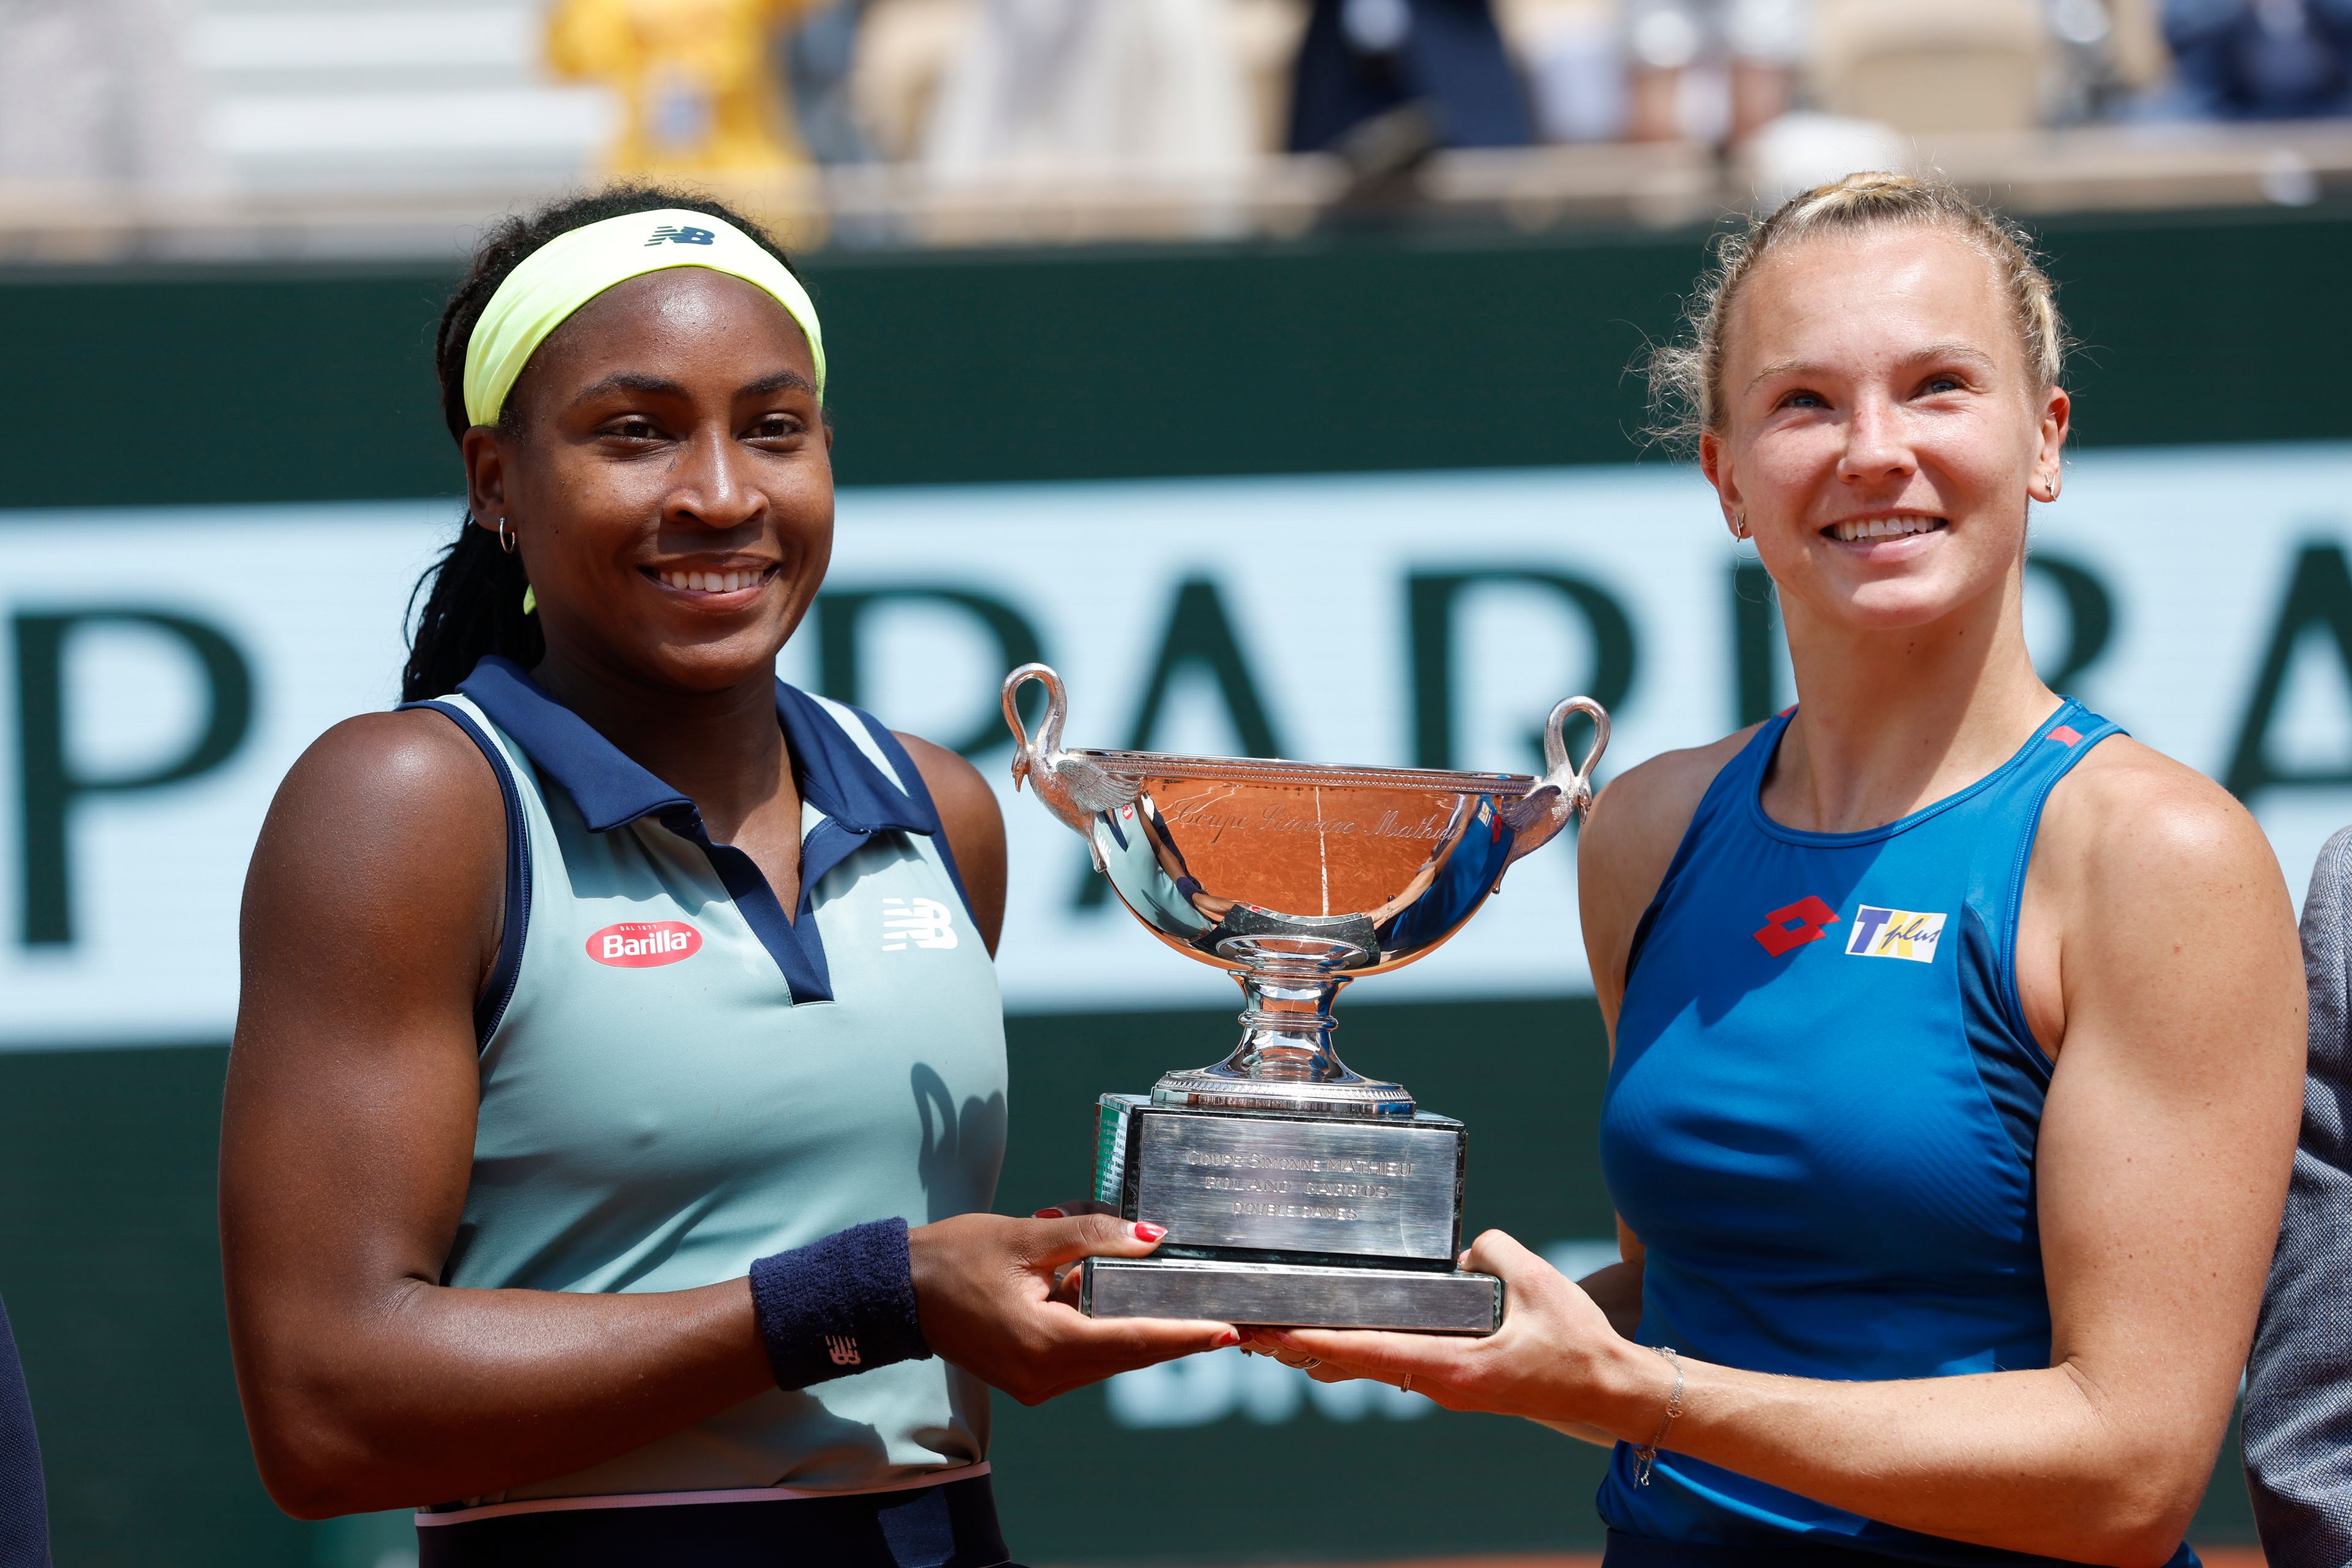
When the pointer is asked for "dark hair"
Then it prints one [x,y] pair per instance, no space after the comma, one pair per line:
[473,594]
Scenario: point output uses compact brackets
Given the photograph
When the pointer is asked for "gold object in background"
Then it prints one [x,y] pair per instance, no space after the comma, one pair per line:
[697,81]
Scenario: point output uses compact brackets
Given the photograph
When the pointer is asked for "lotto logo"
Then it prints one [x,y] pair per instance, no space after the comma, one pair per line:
[1895,934]
[1792,925]
[677,236]
[843,1349]
[643,944]
[925,923]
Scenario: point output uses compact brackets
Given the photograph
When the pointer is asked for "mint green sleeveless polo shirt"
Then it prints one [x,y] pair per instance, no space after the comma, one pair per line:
[677,1079]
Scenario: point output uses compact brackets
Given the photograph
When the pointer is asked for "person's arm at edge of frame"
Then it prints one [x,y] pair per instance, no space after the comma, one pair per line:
[2298,1415]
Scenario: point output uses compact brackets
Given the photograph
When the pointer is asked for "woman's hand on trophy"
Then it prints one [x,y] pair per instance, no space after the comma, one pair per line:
[986,1291]
[1555,1359]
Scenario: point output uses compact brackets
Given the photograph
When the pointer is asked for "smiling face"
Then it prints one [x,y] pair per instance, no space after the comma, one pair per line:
[667,474]
[1882,426]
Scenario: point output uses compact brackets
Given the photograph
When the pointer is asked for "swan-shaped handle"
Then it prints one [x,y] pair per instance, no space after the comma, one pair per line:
[1566,790]
[1072,787]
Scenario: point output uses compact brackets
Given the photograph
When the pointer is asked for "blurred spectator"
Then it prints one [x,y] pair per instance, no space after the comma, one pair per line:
[1712,71]
[2261,60]
[1362,59]
[1572,53]
[1145,86]
[2110,52]
[693,78]
[816,58]
[1928,65]
[100,92]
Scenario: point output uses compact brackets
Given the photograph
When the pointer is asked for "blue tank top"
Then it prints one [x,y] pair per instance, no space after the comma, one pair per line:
[1820,1119]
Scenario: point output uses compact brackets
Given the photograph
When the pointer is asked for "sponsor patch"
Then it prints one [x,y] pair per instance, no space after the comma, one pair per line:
[1792,925]
[1895,934]
[645,944]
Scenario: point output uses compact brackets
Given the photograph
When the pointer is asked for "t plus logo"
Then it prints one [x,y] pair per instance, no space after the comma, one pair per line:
[1793,925]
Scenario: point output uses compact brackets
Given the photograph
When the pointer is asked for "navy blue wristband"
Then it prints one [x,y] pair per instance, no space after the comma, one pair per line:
[838,1306]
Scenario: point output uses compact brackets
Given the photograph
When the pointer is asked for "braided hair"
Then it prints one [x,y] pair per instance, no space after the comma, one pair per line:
[473,594]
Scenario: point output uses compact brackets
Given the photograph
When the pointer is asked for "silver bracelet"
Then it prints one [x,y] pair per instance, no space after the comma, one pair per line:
[1646,1455]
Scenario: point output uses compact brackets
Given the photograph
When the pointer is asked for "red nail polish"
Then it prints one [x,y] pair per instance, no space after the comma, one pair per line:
[1229,1338]
[1048,1214]
[1146,1231]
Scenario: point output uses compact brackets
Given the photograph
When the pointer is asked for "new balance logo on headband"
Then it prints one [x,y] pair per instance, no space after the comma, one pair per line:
[682,236]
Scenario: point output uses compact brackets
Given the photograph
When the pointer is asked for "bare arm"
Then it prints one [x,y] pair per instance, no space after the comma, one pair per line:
[347,1140]
[371,918]
[2163,1157]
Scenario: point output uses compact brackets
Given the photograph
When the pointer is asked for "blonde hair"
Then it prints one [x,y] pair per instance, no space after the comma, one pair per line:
[1686,376]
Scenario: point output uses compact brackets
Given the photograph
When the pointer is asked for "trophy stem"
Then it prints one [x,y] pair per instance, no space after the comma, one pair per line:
[1285,1062]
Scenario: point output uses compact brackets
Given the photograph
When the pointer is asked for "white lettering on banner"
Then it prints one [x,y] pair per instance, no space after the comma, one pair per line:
[225,639]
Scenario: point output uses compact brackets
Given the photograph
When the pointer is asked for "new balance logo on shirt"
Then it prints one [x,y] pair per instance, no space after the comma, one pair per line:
[1878,933]
[925,923]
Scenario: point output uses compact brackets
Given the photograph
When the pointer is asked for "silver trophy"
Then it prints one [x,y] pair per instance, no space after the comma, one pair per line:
[1295,1190]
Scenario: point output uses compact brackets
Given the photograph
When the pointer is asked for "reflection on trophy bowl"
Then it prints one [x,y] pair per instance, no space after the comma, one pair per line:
[1297,879]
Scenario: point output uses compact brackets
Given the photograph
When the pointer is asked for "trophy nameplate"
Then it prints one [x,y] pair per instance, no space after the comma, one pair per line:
[1294,1191]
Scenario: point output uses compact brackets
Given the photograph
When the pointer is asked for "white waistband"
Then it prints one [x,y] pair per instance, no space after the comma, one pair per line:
[677,1499]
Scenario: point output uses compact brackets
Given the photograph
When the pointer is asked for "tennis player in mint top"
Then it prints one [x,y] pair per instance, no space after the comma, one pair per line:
[618,1087]
[1957,1037]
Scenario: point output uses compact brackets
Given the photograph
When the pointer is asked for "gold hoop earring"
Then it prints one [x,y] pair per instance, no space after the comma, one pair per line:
[506,539]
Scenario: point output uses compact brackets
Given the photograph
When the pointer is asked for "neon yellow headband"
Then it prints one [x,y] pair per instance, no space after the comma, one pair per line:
[571,269]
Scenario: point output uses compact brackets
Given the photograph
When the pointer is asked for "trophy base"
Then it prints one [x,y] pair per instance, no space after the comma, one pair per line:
[1291,1295]
[1208,1089]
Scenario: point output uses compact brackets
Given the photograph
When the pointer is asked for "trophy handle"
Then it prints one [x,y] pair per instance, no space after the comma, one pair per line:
[1565,790]
[1072,787]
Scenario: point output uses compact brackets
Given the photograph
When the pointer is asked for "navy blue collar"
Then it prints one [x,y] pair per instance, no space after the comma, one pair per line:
[611,791]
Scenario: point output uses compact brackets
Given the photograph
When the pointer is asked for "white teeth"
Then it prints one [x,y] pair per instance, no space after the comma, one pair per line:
[1883,527]
[710,581]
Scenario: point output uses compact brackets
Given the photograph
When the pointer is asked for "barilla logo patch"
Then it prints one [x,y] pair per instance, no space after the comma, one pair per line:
[1895,934]
[645,944]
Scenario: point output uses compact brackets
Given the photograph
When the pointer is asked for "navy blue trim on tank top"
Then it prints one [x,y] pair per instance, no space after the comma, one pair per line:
[611,791]
[921,792]
[498,989]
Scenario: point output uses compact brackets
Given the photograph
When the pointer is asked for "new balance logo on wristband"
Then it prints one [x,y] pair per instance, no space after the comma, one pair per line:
[843,1349]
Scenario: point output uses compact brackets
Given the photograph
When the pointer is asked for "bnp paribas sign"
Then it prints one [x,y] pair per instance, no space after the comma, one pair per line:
[163,668]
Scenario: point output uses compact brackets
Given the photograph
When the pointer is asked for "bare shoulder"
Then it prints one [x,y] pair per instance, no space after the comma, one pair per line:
[393,808]
[2128,817]
[1640,818]
[1628,842]
[390,772]
[956,787]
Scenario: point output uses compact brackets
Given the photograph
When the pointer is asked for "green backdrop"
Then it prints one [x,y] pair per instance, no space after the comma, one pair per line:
[255,384]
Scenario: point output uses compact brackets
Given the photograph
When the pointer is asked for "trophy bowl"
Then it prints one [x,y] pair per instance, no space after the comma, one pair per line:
[1294,1190]
[1297,879]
